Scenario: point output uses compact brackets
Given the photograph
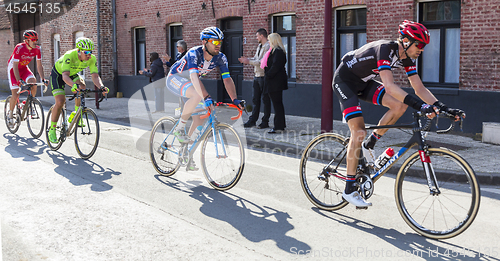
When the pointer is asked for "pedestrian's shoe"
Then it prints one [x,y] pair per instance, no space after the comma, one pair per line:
[263,126]
[52,135]
[191,166]
[356,199]
[368,153]
[249,124]
[181,136]
[275,131]
[72,115]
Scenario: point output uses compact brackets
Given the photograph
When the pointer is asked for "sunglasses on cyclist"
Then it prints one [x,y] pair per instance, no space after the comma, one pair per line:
[420,45]
[215,42]
[87,52]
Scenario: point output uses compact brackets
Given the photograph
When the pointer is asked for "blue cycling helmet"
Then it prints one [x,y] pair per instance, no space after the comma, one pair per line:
[211,33]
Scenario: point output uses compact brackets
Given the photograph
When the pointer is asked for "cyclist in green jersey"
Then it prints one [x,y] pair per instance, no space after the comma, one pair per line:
[65,71]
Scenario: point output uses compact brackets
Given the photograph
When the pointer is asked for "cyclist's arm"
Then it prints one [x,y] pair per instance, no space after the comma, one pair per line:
[230,87]
[16,71]
[97,80]
[198,86]
[40,69]
[420,89]
[67,79]
[390,87]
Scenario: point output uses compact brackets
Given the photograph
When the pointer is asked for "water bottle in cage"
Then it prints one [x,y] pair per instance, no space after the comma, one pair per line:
[384,157]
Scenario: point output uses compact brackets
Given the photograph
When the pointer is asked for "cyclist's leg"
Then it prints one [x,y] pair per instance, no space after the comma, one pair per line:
[14,87]
[30,78]
[57,85]
[351,112]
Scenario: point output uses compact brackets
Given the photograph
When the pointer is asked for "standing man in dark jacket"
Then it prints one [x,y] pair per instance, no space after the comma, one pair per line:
[155,73]
[258,83]
[276,80]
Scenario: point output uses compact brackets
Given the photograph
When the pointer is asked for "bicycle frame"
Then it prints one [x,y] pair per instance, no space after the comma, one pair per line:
[29,100]
[210,123]
[418,138]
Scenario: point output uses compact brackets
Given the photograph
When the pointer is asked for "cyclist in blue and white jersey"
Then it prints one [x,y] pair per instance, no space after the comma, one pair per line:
[184,78]
[354,81]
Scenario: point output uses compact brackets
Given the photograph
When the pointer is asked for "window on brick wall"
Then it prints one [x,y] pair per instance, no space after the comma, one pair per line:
[140,49]
[57,46]
[79,35]
[351,31]
[284,25]
[175,35]
[439,64]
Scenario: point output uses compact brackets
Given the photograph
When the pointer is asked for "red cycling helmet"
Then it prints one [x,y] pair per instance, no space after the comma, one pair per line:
[414,31]
[30,35]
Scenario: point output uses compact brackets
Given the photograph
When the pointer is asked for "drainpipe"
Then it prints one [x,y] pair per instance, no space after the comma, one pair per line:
[98,16]
[327,72]
[115,57]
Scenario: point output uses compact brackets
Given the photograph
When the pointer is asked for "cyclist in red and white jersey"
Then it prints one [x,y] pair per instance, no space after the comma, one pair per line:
[18,71]
[354,81]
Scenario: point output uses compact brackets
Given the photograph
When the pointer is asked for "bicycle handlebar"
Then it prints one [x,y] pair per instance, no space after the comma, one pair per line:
[240,111]
[442,114]
[27,86]
[85,91]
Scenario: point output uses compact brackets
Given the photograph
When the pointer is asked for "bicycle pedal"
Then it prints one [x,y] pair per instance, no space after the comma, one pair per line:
[361,208]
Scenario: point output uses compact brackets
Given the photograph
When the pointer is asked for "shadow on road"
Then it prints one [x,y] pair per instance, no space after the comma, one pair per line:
[82,172]
[410,244]
[256,223]
[33,147]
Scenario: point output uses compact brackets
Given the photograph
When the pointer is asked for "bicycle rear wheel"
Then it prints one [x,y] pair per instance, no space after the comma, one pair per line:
[35,118]
[86,133]
[323,171]
[438,215]
[223,163]
[164,147]
[16,115]
[60,129]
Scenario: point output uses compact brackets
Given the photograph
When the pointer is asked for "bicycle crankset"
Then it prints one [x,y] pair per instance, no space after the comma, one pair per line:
[365,184]
[184,155]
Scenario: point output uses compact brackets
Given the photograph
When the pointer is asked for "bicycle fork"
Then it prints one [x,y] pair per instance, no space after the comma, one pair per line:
[429,173]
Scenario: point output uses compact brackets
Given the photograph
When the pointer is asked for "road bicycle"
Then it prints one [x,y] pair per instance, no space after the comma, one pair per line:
[222,163]
[30,110]
[436,190]
[84,125]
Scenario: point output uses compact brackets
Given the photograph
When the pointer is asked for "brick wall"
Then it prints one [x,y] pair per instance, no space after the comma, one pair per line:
[80,16]
[480,45]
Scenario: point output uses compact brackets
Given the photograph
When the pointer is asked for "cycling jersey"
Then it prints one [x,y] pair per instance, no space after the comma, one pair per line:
[24,55]
[366,62]
[69,62]
[353,80]
[194,61]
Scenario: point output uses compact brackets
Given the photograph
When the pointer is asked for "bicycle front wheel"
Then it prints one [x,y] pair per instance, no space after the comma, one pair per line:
[16,115]
[35,118]
[60,129]
[86,133]
[164,147]
[443,212]
[323,171]
[222,157]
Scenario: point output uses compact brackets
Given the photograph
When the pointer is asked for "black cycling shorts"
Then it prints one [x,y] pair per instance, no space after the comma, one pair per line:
[349,93]
[57,84]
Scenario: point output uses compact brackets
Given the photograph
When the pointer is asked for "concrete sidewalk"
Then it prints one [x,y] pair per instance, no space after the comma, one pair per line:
[136,112]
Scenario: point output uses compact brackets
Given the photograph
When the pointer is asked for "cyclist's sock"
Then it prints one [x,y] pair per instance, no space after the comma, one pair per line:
[53,124]
[181,125]
[76,108]
[370,142]
[349,185]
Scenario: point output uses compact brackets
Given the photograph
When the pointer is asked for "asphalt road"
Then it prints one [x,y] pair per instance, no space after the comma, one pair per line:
[56,206]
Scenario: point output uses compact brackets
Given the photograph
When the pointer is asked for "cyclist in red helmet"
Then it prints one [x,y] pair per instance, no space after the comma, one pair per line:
[18,71]
[354,81]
